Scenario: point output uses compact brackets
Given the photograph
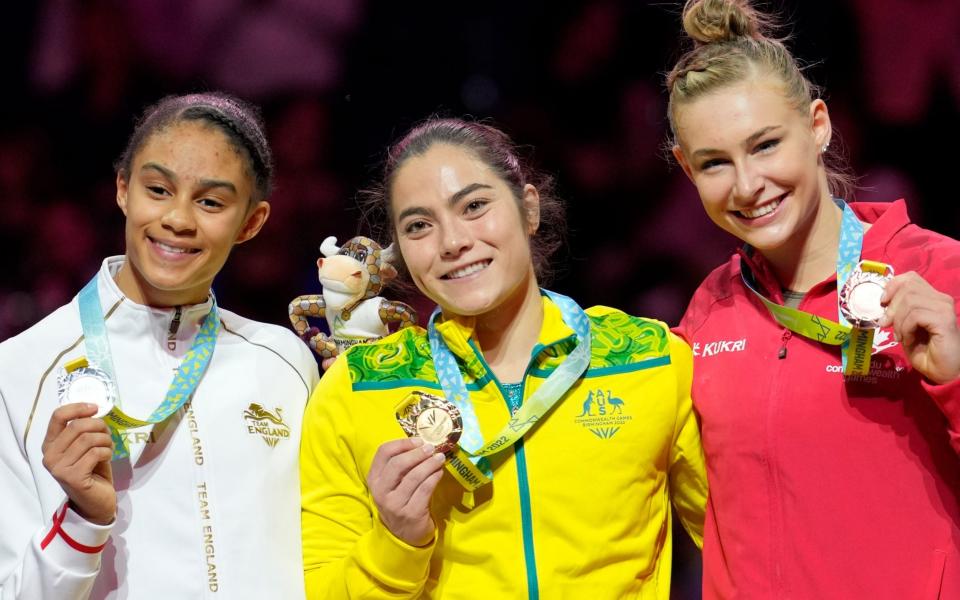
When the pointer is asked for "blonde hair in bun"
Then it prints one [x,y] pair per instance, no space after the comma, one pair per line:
[712,21]
[733,42]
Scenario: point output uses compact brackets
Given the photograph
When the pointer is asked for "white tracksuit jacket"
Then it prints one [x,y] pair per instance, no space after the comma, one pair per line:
[208,502]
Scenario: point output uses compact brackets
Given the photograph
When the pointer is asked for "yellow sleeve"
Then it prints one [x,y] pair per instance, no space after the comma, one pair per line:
[688,476]
[347,551]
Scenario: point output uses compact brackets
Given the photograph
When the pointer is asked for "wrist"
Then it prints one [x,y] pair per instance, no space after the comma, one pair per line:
[97,518]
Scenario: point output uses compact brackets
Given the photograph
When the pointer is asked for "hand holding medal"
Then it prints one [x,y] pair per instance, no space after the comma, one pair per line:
[78,446]
[77,451]
[924,321]
[402,477]
[404,473]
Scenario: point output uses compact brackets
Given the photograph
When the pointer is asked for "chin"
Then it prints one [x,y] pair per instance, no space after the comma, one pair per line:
[468,307]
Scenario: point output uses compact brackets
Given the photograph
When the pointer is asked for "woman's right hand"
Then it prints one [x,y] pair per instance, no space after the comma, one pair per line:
[402,478]
[77,451]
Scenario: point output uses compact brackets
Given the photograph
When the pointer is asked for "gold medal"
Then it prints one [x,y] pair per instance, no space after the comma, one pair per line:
[83,383]
[861,293]
[431,418]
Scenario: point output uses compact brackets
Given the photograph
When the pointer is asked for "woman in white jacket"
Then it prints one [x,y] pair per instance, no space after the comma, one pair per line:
[148,438]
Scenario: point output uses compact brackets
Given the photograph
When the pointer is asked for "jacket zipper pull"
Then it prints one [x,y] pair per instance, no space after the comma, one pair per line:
[174,327]
[787,334]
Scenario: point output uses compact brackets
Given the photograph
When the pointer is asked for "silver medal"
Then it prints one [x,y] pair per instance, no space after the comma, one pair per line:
[90,385]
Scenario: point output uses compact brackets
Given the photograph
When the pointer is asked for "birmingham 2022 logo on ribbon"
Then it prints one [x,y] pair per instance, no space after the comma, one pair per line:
[602,414]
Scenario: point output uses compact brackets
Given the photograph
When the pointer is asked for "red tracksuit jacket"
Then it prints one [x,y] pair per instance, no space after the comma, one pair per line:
[821,488]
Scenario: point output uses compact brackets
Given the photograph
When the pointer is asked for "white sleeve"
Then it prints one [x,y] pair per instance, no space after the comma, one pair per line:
[41,556]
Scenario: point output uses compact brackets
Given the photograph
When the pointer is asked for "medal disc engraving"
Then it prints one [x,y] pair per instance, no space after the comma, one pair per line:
[89,385]
[434,425]
[865,300]
[860,297]
[432,419]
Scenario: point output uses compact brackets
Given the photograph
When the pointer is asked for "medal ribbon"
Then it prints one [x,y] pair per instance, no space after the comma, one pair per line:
[184,382]
[469,464]
[856,344]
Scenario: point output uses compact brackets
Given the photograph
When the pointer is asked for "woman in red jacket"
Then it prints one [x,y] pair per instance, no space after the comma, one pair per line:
[828,418]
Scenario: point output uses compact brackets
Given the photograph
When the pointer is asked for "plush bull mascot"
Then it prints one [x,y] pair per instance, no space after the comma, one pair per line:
[352,277]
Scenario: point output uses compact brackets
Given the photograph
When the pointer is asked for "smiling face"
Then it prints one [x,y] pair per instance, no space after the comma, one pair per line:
[755,160]
[461,233]
[187,201]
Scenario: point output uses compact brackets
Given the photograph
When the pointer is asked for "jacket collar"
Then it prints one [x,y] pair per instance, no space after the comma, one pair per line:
[459,333]
[131,319]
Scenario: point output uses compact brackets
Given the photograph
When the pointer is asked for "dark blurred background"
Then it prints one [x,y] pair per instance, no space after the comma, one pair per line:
[580,82]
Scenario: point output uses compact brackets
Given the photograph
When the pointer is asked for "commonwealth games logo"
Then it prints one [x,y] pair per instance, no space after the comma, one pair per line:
[602,414]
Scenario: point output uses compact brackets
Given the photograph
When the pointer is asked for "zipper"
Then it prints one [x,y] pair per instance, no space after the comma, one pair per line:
[787,334]
[523,483]
[773,435]
[174,328]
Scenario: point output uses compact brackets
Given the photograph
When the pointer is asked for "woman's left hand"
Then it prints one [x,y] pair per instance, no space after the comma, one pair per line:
[925,323]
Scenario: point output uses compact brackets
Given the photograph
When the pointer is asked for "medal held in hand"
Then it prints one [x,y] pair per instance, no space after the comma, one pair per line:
[82,383]
[432,419]
[860,296]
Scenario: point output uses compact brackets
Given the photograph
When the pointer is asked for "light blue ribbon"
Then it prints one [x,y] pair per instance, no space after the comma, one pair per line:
[535,408]
[185,380]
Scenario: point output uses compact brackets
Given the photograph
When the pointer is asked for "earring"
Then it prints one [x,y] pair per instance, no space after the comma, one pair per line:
[824,148]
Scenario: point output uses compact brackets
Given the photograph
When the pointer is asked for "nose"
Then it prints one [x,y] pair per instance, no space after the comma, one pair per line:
[179,216]
[456,239]
[749,182]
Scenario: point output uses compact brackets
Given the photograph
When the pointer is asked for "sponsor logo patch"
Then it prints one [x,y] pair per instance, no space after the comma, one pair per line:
[719,347]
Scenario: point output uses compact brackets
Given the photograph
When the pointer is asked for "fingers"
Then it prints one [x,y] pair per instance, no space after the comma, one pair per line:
[399,459]
[402,479]
[911,303]
[69,433]
[424,492]
[406,491]
[327,363]
[388,450]
[82,445]
[92,460]
[66,413]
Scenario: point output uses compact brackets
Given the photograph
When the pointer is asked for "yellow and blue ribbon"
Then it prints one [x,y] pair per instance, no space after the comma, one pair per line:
[856,345]
[469,464]
[185,380]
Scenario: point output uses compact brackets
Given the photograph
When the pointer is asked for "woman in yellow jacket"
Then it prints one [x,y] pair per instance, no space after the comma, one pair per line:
[519,447]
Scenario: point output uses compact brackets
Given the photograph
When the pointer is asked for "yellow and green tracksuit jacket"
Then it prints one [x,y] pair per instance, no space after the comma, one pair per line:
[579,508]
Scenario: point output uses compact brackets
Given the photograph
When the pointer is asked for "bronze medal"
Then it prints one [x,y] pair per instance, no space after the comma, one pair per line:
[431,418]
[860,297]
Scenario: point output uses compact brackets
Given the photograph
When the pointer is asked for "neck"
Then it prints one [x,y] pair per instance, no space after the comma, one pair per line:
[811,255]
[133,286]
[508,333]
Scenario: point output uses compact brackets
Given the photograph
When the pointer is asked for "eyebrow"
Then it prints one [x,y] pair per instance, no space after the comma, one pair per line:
[750,140]
[456,197]
[204,183]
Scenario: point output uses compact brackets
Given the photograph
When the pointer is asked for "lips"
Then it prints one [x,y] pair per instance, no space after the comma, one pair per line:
[762,210]
[167,248]
[467,270]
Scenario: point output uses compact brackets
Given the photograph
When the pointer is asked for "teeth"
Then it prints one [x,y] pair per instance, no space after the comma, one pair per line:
[766,209]
[468,270]
[173,249]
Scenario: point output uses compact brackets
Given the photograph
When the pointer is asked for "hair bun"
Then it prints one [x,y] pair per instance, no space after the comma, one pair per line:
[712,21]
